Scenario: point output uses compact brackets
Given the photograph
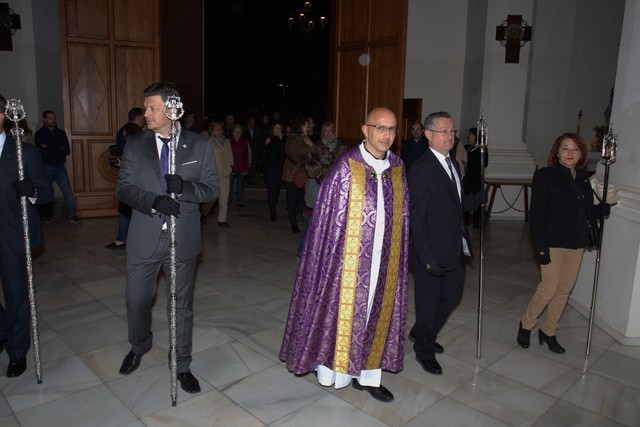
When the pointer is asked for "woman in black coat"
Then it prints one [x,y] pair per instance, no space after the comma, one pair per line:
[561,207]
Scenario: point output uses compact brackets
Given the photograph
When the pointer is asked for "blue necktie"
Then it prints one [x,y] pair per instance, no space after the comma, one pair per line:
[164,160]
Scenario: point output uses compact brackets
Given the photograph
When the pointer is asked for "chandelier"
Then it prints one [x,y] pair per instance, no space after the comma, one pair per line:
[306,21]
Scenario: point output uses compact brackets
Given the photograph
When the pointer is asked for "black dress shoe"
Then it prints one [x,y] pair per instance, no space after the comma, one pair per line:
[115,245]
[379,393]
[130,363]
[551,341]
[16,367]
[431,366]
[437,347]
[295,229]
[223,224]
[524,336]
[188,382]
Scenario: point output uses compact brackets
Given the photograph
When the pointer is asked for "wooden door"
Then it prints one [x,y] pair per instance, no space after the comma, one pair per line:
[370,40]
[110,51]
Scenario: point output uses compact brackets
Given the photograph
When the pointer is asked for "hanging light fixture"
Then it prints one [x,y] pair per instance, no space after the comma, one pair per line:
[306,21]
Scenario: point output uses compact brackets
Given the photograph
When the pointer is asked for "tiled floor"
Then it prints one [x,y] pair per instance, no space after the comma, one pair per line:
[242,296]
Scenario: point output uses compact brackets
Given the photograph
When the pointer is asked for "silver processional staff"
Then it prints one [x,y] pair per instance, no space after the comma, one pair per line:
[173,111]
[482,141]
[15,112]
[609,153]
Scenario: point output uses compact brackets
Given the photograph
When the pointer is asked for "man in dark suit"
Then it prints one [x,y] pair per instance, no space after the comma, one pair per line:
[143,185]
[14,316]
[439,238]
[414,147]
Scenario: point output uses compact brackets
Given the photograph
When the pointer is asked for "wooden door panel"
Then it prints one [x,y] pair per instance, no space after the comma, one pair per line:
[134,71]
[385,16]
[351,103]
[87,18]
[352,27]
[383,79]
[100,175]
[131,21]
[89,89]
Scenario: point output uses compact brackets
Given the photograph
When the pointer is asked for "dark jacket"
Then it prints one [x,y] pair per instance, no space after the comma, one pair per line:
[57,145]
[472,181]
[560,208]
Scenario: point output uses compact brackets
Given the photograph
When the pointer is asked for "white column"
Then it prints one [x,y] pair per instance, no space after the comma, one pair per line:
[618,302]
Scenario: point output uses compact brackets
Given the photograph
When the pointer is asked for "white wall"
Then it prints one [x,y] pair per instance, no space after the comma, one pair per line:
[436,39]
[31,72]
[573,68]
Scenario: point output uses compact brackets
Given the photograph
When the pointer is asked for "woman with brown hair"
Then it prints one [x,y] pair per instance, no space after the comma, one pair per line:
[561,208]
[297,151]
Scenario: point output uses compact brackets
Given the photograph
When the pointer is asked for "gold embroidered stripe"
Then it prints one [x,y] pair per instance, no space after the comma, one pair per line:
[350,267]
[388,297]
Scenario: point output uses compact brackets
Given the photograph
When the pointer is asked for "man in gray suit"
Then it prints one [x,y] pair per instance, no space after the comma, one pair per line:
[143,185]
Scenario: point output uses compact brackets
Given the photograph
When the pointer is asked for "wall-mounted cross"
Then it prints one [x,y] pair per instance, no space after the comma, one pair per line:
[513,34]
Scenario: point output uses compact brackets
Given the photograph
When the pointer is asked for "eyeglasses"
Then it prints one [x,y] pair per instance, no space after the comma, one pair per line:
[451,132]
[383,128]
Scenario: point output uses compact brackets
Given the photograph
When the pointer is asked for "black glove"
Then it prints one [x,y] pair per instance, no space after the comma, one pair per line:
[166,205]
[174,184]
[482,197]
[544,258]
[24,188]
[603,209]
[436,270]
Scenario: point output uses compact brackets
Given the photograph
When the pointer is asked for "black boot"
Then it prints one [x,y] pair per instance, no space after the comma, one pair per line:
[551,341]
[524,336]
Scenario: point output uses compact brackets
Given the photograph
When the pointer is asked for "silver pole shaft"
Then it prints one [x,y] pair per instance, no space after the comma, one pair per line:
[173,285]
[596,273]
[481,270]
[15,113]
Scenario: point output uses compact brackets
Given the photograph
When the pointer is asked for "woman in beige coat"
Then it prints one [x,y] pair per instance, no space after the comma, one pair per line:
[224,165]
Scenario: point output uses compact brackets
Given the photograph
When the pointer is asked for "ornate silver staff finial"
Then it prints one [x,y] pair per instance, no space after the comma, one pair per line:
[15,112]
[609,146]
[173,108]
[483,136]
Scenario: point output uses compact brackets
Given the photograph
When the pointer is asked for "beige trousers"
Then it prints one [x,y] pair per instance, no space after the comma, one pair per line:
[557,280]
[223,201]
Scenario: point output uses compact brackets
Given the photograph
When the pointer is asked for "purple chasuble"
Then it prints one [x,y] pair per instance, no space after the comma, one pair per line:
[327,317]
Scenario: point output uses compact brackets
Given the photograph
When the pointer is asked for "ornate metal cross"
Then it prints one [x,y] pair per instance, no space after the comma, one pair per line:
[513,34]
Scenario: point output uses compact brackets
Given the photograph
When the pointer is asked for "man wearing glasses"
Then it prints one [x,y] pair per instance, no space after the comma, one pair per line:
[439,238]
[348,311]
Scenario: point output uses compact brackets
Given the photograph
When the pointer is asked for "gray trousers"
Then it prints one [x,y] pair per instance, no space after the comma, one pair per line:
[142,274]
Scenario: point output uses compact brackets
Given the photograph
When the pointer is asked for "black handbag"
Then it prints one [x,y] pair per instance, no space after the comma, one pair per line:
[593,234]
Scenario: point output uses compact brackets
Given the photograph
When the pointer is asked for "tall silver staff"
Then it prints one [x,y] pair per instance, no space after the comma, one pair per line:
[173,111]
[609,153]
[15,112]
[481,141]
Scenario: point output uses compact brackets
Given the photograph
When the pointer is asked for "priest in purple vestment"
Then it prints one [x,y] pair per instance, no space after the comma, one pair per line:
[348,310]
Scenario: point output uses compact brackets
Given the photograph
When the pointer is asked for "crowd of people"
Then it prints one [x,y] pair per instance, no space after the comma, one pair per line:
[370,217]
